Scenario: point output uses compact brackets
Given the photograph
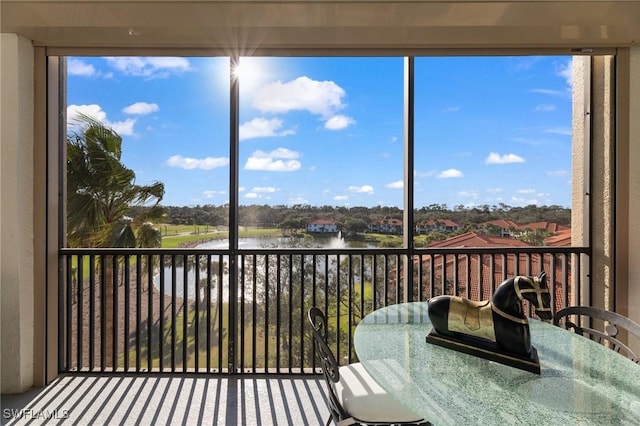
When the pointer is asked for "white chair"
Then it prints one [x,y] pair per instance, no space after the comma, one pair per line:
[353,396]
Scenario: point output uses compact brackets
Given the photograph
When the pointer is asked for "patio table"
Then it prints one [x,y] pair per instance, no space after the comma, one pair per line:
[581,381]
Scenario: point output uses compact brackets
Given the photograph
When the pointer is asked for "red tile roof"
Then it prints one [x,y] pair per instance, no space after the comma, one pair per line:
[476,239]
[561,238]
[487,271]
[323,221]
[550,226]
[506,224]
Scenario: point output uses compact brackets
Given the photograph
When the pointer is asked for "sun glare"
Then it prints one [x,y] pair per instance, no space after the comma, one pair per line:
[250,72]
[236,72]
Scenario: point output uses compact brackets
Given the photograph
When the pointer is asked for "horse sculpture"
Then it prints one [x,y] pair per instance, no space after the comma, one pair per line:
[497,329]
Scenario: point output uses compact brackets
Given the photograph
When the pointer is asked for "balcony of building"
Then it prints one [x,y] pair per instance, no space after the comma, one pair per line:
[103,399]
[133,347]
[109,331]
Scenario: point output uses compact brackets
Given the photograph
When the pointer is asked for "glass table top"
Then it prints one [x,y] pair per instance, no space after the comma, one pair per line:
[581,381]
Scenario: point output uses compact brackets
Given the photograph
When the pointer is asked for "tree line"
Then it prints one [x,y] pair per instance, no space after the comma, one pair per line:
[297,216]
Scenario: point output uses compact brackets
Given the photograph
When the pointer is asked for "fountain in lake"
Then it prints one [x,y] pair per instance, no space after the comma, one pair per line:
[337,242]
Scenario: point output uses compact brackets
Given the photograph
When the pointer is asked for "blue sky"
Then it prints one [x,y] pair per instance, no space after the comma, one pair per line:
[329,131]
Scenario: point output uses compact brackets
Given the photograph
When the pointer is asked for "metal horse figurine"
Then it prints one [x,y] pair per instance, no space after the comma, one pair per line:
[497,329]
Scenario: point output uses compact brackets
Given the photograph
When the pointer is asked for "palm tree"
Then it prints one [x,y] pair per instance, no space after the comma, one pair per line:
[100,194]
[101,190]
[148,236]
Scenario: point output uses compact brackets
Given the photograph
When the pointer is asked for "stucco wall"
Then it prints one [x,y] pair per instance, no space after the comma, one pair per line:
[597,118]
[601,189]
[579,182]
[634,186]
[592,183]
[16,212]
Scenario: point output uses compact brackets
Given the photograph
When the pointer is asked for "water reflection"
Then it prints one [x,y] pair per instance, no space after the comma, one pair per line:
[168,272]
[334,242]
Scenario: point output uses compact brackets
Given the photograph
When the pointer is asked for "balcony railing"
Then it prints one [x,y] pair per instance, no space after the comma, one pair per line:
[125,310]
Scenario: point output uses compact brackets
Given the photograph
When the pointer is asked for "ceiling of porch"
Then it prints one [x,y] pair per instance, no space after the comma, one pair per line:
[317,24]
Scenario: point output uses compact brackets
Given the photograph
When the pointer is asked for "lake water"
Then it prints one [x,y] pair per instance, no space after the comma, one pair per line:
[243,243]
[284,242]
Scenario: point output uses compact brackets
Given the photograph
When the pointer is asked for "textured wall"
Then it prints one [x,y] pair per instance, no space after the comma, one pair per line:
[579,216]
[593,192]
[634,186]
[16,212]
[602,190]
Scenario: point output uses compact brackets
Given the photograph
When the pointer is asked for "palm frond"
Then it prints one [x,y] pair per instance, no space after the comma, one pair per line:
[101,190]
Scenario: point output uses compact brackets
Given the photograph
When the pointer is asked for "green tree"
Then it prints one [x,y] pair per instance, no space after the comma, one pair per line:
[534,237]
[101,192]
[355,226]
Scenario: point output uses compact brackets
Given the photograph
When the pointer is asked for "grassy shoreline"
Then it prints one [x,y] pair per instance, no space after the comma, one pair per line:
[178,237]
[187,236]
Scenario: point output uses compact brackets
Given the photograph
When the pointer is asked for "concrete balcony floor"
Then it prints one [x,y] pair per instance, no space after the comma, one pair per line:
[95,399]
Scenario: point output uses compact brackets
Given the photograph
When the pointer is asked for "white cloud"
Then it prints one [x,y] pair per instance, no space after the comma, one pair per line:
[558,173]
[80,68]
[149,66]
[565,70]
[140,108]
[264,189]
[341,197]
[262,127]
[364,189]
[450,173]
[395,185]
[564,131]
[75,112]
[524,201]
[495,158]
[339,122]
[251,195]
[187,163]
[123,128]
[524,63]
[526,191]
[544,108]
[302,94]
[549,92]
[212,193]
[278,160]
[297,201]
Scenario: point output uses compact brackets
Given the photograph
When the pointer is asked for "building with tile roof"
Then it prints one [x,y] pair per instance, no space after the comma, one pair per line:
[437,225]
[322,225]
[485,272]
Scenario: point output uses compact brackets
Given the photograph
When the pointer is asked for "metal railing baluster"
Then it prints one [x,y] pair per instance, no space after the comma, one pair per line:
[347,283]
